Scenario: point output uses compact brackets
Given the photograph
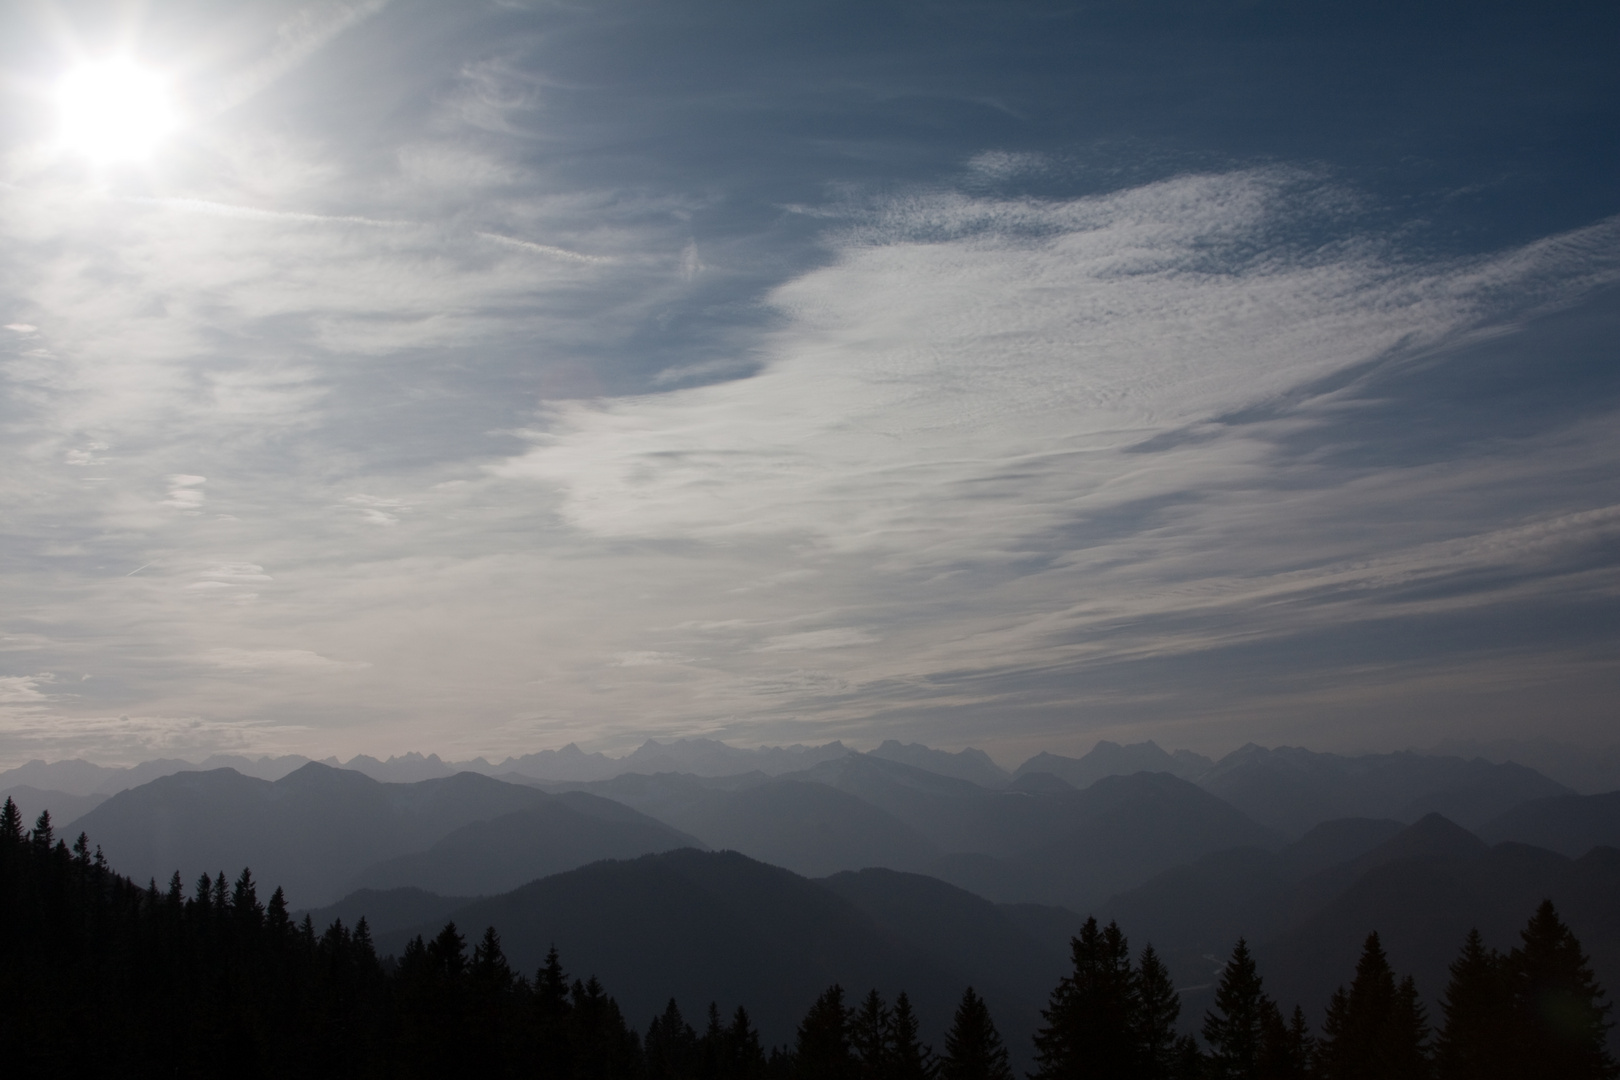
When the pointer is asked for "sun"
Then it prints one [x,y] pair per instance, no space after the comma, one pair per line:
[114,110]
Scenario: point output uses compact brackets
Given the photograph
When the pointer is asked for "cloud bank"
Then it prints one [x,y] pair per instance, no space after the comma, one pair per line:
[480,382]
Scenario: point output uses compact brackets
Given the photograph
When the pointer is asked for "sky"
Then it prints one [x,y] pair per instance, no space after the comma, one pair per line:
[476,378]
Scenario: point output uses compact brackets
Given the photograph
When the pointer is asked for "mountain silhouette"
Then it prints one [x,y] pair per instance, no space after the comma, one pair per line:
[388,910]
[1571,824]
[970,764]
[312,831]
[701,927]
[718,926]
[1112,759]
[1423,896]
[65,809]
[1291,790]
[486,857]
[1127,828]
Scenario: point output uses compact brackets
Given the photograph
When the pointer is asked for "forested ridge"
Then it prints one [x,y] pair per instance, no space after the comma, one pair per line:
[100,974]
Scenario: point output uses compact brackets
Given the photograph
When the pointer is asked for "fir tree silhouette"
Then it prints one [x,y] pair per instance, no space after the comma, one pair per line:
[871,1037]
[43,834]
[823,1050]
[11,826]
[1561,1019]
[671,1046]
[1474,1043]
[973,1046]
[1376,1030]
[1234,1029]
[909,1059]
[1287,1049]
[1159,1007]
[743,1058]
[1091,1017]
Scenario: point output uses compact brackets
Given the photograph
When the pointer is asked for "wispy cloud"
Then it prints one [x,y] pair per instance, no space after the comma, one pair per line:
[498,379]
[277,660]
[297,39]
[963,354]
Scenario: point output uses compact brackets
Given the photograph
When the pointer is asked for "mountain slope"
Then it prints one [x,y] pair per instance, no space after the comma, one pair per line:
[1112,759]
[970,764]
[701,927]
[310,831]
[810,828]
[1423,906]
[1124,829]
[1291,790]
[388,911]
[1571,824]
[487,857]
[65,809]
[969,936]
[718,926]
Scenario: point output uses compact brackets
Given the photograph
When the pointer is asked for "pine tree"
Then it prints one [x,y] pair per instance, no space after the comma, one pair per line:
[552,1052]
[744,1057]
[1477,1007]
[973,1046]
[276,913]
[1377,1030]
[1299,1055]
[1159,1009]
[823,1050]
[202,895]
[1091,1017]
[43,834]
[1561,1019]
[245,899]
[1233,1028]
[712,1046]
[670,1047]
[1406,1036]
[447,953]
[871,1037]
[909,1058]
[489,968]
[1189,1062]
[603,1046]
[11,827]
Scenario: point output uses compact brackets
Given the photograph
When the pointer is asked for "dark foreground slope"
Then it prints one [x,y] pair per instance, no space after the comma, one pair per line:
[1423,906]
[1421,886]
[718,926]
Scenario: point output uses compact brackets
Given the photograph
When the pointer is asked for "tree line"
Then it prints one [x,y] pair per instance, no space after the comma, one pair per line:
[99,974]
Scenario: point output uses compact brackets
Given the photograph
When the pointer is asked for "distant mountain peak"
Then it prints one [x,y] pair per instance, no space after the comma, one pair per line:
[1432,836]
[1109,758]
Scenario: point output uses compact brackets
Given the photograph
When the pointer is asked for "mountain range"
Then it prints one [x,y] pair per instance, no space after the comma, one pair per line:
[711,758]
[708,926]
[321,832]
[903,867]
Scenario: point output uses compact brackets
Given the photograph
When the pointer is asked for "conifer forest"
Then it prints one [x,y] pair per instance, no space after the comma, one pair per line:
[101,976]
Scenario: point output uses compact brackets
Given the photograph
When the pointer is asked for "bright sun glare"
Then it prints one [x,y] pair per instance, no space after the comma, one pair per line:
[114,110]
